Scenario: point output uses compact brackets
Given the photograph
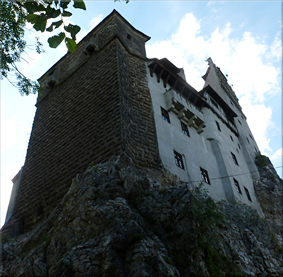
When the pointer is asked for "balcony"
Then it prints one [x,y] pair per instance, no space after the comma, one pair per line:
[185,110]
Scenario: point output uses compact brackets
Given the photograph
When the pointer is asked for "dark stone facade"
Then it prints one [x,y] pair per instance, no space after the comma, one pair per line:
[98,106]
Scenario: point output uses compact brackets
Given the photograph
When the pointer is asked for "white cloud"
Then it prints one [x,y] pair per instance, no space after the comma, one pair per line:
[276,49]
[259,120]
[245,60]
[8,134]
[95,21]
[277,155]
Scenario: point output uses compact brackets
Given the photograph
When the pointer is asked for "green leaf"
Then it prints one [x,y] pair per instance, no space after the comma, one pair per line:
[73,30]
[40,24]
[57,24]
[52,13]
[66,13]
[32,7]
[71,44]
[64,3]
[56,40]
[32,18]
[79,4]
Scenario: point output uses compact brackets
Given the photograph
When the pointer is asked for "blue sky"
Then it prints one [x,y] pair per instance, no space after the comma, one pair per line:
[243,38]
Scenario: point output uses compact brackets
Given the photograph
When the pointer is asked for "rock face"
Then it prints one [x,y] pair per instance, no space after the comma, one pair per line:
[117,220]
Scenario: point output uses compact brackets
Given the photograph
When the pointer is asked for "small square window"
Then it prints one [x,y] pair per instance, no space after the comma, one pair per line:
[231,138]
[234,159]
[179,160]
[204,175]
[248,194]
[218,126]
[237,186]
[165,115]
[185,129]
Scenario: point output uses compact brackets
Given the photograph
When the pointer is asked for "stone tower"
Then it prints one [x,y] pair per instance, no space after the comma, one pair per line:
[95,104]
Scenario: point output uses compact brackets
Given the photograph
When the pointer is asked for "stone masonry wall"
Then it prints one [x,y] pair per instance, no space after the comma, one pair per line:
[101,110]
[76,124]
[138,129]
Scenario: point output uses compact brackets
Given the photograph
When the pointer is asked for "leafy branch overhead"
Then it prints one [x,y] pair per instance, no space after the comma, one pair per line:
[45,16]
[40,13]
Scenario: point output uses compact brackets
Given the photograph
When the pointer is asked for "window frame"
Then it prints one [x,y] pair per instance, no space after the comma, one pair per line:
[185,129]
[205,176]
[179,160]
[236,183]
[234,159]
[218,126]
[165,115]
[248,194]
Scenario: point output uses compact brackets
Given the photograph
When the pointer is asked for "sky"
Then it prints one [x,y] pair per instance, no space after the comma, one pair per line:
[243,38]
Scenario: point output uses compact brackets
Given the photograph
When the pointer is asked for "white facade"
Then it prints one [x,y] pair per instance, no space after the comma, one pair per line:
[219,149]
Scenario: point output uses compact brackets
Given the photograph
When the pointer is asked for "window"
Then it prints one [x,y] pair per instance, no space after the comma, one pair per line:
[218,126]
[178,160]
[237,186]
[231,103]
[204,175]
[237,150]
[234,159]
[185,129]
[231,138]
[239,122]
[165,115]
[214,103]
[129,37]
[248,194]
[239,146]
[248,140]
[250,136]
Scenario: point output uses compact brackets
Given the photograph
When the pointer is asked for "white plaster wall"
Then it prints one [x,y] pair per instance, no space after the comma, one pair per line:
[197,150]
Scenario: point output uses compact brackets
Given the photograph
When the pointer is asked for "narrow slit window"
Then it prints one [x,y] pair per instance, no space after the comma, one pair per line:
[165,115]
[239,122]
[237,186]
[248,194]
[218,126]
[231,138]
[204,174]
[129,37]
[239,146]
[248,140]
[179,160]
[234,159]
[185,129]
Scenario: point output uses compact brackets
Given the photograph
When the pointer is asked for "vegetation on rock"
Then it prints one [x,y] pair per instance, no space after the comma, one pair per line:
[117,220]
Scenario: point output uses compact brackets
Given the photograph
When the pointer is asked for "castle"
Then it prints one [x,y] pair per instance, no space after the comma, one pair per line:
[108,98]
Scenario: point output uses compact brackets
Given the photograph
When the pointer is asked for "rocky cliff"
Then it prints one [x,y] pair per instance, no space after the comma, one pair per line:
[117,220]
